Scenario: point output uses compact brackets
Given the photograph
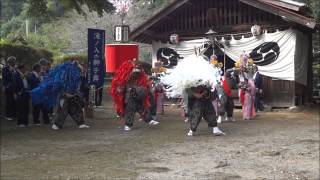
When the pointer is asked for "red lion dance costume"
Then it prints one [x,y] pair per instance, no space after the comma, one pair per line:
[129,91]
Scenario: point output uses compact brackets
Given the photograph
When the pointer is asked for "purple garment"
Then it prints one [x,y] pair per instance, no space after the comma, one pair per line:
[159,93]
[216,104]
[248,111]
[160,99]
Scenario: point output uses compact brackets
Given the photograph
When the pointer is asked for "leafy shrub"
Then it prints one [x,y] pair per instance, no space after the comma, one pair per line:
[24,54]
[83,59]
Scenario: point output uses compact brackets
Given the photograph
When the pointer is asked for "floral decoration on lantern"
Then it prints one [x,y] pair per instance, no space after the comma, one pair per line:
[214,61]
[158,64]
[158,68]
[250,61]
[243,85]
[245,65]
[174,38]
[237,64]
[250,66]
[162,69]
[256,30]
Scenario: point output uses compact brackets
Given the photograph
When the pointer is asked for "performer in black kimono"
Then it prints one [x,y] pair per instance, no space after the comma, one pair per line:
[7,80]
[21,94]
[226,104]
[130,90]
[200,106]
[195,77]
[63,83]
[258,82]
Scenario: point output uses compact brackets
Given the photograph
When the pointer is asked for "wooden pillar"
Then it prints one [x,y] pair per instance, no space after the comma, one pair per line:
[309,88]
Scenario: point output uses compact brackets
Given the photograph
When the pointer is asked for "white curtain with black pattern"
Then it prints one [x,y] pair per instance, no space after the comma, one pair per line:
[167,51]
[280,55]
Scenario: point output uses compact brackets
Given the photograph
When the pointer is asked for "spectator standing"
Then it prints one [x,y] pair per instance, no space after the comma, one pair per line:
[159,98]
[258,82]
[45,69]
[7,75]
[34,81]
[21,94]
[98,96]
[228,85]
[84,86]
[247,98]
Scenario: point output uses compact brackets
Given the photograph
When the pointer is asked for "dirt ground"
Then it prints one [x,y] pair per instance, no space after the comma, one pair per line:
[275,145]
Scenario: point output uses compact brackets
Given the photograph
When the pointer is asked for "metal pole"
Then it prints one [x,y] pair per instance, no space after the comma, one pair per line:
[35,26]
[224,56]
[27,27]
[224,60]
[92,95]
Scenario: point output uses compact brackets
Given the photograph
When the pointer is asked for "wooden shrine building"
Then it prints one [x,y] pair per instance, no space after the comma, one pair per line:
[191,19]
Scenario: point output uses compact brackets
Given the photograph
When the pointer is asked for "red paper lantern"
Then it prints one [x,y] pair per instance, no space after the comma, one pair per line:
[116,54]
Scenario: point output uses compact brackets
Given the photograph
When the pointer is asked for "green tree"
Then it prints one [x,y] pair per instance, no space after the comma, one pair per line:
[10,8]
[315,7]
[13,26]
[48,38]
[40,7]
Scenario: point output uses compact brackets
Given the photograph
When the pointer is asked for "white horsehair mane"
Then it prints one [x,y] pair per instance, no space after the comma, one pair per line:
[192,71]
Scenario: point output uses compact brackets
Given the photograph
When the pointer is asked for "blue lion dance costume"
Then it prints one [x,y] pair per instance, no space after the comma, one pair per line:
[61,88]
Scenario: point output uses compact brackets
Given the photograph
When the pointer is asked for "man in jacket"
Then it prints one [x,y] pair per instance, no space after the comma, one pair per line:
[258,82]
[7,75]
[34,81]
[21,94]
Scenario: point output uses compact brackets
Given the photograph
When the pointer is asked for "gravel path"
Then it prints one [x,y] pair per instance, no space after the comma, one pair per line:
[276,145]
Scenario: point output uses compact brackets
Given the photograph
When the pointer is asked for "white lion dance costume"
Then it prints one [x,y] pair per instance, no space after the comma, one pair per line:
[196,77]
